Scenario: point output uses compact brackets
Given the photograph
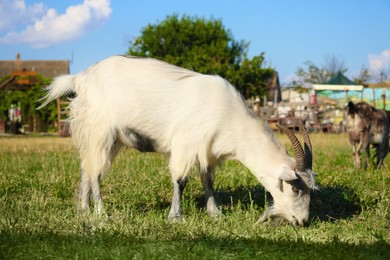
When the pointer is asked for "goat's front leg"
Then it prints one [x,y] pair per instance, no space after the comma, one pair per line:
[356,156]
[357,152]
[97,197]
[90,186]
[366,161]
[207,178]
[178,188]
[84,191]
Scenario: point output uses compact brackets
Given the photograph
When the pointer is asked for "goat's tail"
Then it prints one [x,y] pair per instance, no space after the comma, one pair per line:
[60,86]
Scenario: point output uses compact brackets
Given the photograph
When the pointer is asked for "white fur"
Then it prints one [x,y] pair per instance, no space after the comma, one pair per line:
[195,118]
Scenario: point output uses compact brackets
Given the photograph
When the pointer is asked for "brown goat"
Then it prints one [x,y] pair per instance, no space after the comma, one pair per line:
[367,125]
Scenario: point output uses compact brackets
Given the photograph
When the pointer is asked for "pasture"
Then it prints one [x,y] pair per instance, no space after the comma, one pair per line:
[350,213]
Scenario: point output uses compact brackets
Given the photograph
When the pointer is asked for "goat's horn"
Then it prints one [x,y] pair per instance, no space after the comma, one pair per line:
[297,147]
[307,147]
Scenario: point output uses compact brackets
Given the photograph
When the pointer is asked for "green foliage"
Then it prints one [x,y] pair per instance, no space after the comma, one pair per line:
[251,77]
[204,46]
[39,218]
[29,101]
[193,43]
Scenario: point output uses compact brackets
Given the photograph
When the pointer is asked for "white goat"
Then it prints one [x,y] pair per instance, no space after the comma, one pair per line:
[198,119]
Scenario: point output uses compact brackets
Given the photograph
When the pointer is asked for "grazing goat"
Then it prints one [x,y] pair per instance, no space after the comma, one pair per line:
[367,125]
[197,119]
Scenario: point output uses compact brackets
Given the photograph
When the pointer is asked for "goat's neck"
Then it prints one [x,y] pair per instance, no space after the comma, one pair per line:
[259,152]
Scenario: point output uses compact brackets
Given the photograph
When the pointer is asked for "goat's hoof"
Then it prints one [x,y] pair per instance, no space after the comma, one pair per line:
[176,219]
[83,210]
[216,215]
[262,220]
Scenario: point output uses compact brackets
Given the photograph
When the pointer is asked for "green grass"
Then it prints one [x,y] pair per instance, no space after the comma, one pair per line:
[38,218]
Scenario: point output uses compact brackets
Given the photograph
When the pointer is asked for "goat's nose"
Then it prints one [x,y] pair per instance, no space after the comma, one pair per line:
[304,222]
[299,222]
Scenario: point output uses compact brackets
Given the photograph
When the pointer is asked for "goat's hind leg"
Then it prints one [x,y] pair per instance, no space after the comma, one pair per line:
[382,150]
[376,159]
[207,178]
[94,166]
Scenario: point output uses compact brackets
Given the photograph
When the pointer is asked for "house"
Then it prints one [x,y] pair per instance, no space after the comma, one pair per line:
[46,68]
[21,75]
[23,72]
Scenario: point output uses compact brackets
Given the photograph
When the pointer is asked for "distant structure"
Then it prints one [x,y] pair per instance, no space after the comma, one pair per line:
[274,92]
[21,75]
[273,96]
[47,68]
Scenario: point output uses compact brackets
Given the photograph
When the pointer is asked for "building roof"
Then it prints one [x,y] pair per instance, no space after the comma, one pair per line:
[379,85]
[47,68]
[340,79]
[338,83]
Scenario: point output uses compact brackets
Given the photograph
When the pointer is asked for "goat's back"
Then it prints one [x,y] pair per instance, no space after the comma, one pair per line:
[156,99]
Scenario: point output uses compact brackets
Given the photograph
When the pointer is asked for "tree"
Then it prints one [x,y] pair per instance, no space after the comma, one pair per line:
[204,46]
[364,76]
[383,76]
[314,74]
[334,65]
[252,77]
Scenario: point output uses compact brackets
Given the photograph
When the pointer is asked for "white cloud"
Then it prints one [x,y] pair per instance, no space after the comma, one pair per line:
[15,14]
[43,26]
[380,63]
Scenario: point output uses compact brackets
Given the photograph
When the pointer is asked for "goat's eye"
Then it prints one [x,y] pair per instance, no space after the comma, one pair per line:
[295,190]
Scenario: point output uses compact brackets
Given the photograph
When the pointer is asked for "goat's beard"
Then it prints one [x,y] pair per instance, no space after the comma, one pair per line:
[271,215]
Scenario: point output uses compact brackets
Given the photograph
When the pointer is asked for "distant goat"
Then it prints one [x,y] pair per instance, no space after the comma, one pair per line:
[367,125]
[197,119]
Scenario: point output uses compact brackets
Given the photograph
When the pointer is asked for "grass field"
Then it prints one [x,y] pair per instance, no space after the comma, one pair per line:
[39,176]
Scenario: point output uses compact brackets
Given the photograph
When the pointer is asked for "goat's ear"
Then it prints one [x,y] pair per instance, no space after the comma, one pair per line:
[288,175]
[351,107]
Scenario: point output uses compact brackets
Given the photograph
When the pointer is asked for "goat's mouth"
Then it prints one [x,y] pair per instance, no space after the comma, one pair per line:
[296,222]
[279,219]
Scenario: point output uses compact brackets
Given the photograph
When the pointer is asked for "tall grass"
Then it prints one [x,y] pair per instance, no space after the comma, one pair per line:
[39,218]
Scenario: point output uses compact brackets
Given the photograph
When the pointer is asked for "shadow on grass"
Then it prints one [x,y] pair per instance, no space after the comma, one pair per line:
[243,195]
[334,203]
[327,203]
[246,196]
[105,246]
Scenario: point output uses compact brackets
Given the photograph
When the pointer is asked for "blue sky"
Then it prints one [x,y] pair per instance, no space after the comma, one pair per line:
[289,32]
